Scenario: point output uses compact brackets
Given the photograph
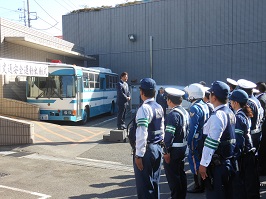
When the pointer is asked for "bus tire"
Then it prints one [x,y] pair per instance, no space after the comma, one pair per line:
[112,111]
[86,118]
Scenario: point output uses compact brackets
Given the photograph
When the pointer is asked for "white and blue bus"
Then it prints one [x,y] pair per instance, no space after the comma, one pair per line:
[73,93]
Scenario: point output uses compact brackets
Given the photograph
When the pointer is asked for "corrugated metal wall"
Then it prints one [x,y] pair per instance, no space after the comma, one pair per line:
[192,40]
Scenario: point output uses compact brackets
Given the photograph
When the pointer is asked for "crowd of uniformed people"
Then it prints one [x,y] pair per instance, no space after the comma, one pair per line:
[222,135]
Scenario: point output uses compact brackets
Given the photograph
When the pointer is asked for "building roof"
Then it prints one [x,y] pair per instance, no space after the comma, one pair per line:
[29,42]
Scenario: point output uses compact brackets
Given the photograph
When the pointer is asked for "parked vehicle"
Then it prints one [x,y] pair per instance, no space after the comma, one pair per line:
[73,93]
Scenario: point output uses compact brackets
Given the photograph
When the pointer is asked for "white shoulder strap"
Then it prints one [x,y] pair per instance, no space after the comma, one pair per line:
[204,111]
[185,117]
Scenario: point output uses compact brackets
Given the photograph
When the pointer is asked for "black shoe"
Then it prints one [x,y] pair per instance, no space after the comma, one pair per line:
[121,128]
[196,190]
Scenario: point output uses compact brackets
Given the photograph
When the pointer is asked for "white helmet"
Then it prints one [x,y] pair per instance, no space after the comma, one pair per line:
[195,91]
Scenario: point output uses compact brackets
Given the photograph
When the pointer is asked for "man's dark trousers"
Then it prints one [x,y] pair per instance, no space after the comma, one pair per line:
[121,115]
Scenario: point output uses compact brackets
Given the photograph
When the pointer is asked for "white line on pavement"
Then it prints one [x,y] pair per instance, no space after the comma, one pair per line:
[101,161]
[42,196]
[104,122]
[7,152]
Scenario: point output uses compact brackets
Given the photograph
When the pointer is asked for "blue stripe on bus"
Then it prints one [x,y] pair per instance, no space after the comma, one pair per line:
[69,71]
[73,101]
[90,100]
[41,101]
[92,90]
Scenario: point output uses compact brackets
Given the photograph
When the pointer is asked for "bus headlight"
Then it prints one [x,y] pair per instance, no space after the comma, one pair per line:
[67,112]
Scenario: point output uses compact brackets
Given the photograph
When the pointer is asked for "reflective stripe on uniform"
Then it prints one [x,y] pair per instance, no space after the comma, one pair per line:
[238,131]
[211,143]
[158,132]
[179,144]
[170,129]
[143,122]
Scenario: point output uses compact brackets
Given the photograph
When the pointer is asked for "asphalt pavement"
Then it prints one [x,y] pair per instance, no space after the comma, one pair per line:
[80,168]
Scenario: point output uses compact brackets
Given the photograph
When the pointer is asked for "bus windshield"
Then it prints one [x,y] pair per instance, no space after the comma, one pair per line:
[52,87]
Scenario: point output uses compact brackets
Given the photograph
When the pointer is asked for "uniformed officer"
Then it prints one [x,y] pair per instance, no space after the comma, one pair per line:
[176,144]
[246,182]
[261,96]
[232,84]
[216,165]
[257,110]
[199,113]
[206,98]
[149,135]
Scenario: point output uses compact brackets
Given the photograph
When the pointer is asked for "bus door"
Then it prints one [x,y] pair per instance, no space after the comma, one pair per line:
[79,98]
[103,91]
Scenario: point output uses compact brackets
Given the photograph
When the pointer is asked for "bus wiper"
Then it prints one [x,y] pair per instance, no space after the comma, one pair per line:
[42,93]
[60,97]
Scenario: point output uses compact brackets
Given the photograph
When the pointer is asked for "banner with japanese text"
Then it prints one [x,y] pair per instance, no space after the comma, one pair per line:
[20,68]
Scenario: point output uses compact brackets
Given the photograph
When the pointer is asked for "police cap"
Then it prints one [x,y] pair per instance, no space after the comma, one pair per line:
[206,89]
[254,90]
[245,84]
[147,84]
[231,81]
[239,95]
[174,92]
[220,89]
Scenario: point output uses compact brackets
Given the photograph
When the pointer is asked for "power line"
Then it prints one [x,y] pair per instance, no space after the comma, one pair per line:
[10,9]
[45,11]
[76,7]
[52,26]
[69,5]
[19,11]
[63,6]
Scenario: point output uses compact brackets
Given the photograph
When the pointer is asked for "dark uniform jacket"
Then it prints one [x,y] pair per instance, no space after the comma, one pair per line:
[122,92]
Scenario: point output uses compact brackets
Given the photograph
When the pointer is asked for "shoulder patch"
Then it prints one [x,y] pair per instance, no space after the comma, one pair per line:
[191,114]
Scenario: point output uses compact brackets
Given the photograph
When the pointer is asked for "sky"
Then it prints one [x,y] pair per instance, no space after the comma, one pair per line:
[47,13]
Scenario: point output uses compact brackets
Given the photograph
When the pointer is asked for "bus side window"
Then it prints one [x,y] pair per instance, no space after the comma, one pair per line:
[85,80]
[107,81]
[97,81]
[91,80]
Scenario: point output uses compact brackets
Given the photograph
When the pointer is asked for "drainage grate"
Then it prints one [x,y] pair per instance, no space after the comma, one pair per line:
[3,174]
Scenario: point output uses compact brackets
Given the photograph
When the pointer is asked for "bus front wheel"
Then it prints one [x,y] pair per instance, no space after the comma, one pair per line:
[112,111]
[85,117]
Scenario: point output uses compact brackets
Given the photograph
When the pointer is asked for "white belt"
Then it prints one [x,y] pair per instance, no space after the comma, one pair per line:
[179,144]
[158,132]
[255,131]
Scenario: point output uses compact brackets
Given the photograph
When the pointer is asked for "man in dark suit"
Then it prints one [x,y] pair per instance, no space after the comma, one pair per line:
[123,97]
[161,99]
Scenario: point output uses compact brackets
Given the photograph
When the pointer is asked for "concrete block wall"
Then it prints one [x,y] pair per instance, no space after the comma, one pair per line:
[1,85]
[13,132]
[20,109]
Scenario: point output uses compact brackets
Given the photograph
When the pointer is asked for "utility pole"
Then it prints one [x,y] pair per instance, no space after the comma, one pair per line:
[24,13]
[28,9]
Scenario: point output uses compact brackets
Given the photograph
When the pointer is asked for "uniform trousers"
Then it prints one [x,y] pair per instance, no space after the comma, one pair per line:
[147,180]
[176,177]
[256,140]
[221,187]
[246,182]
[262,150]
